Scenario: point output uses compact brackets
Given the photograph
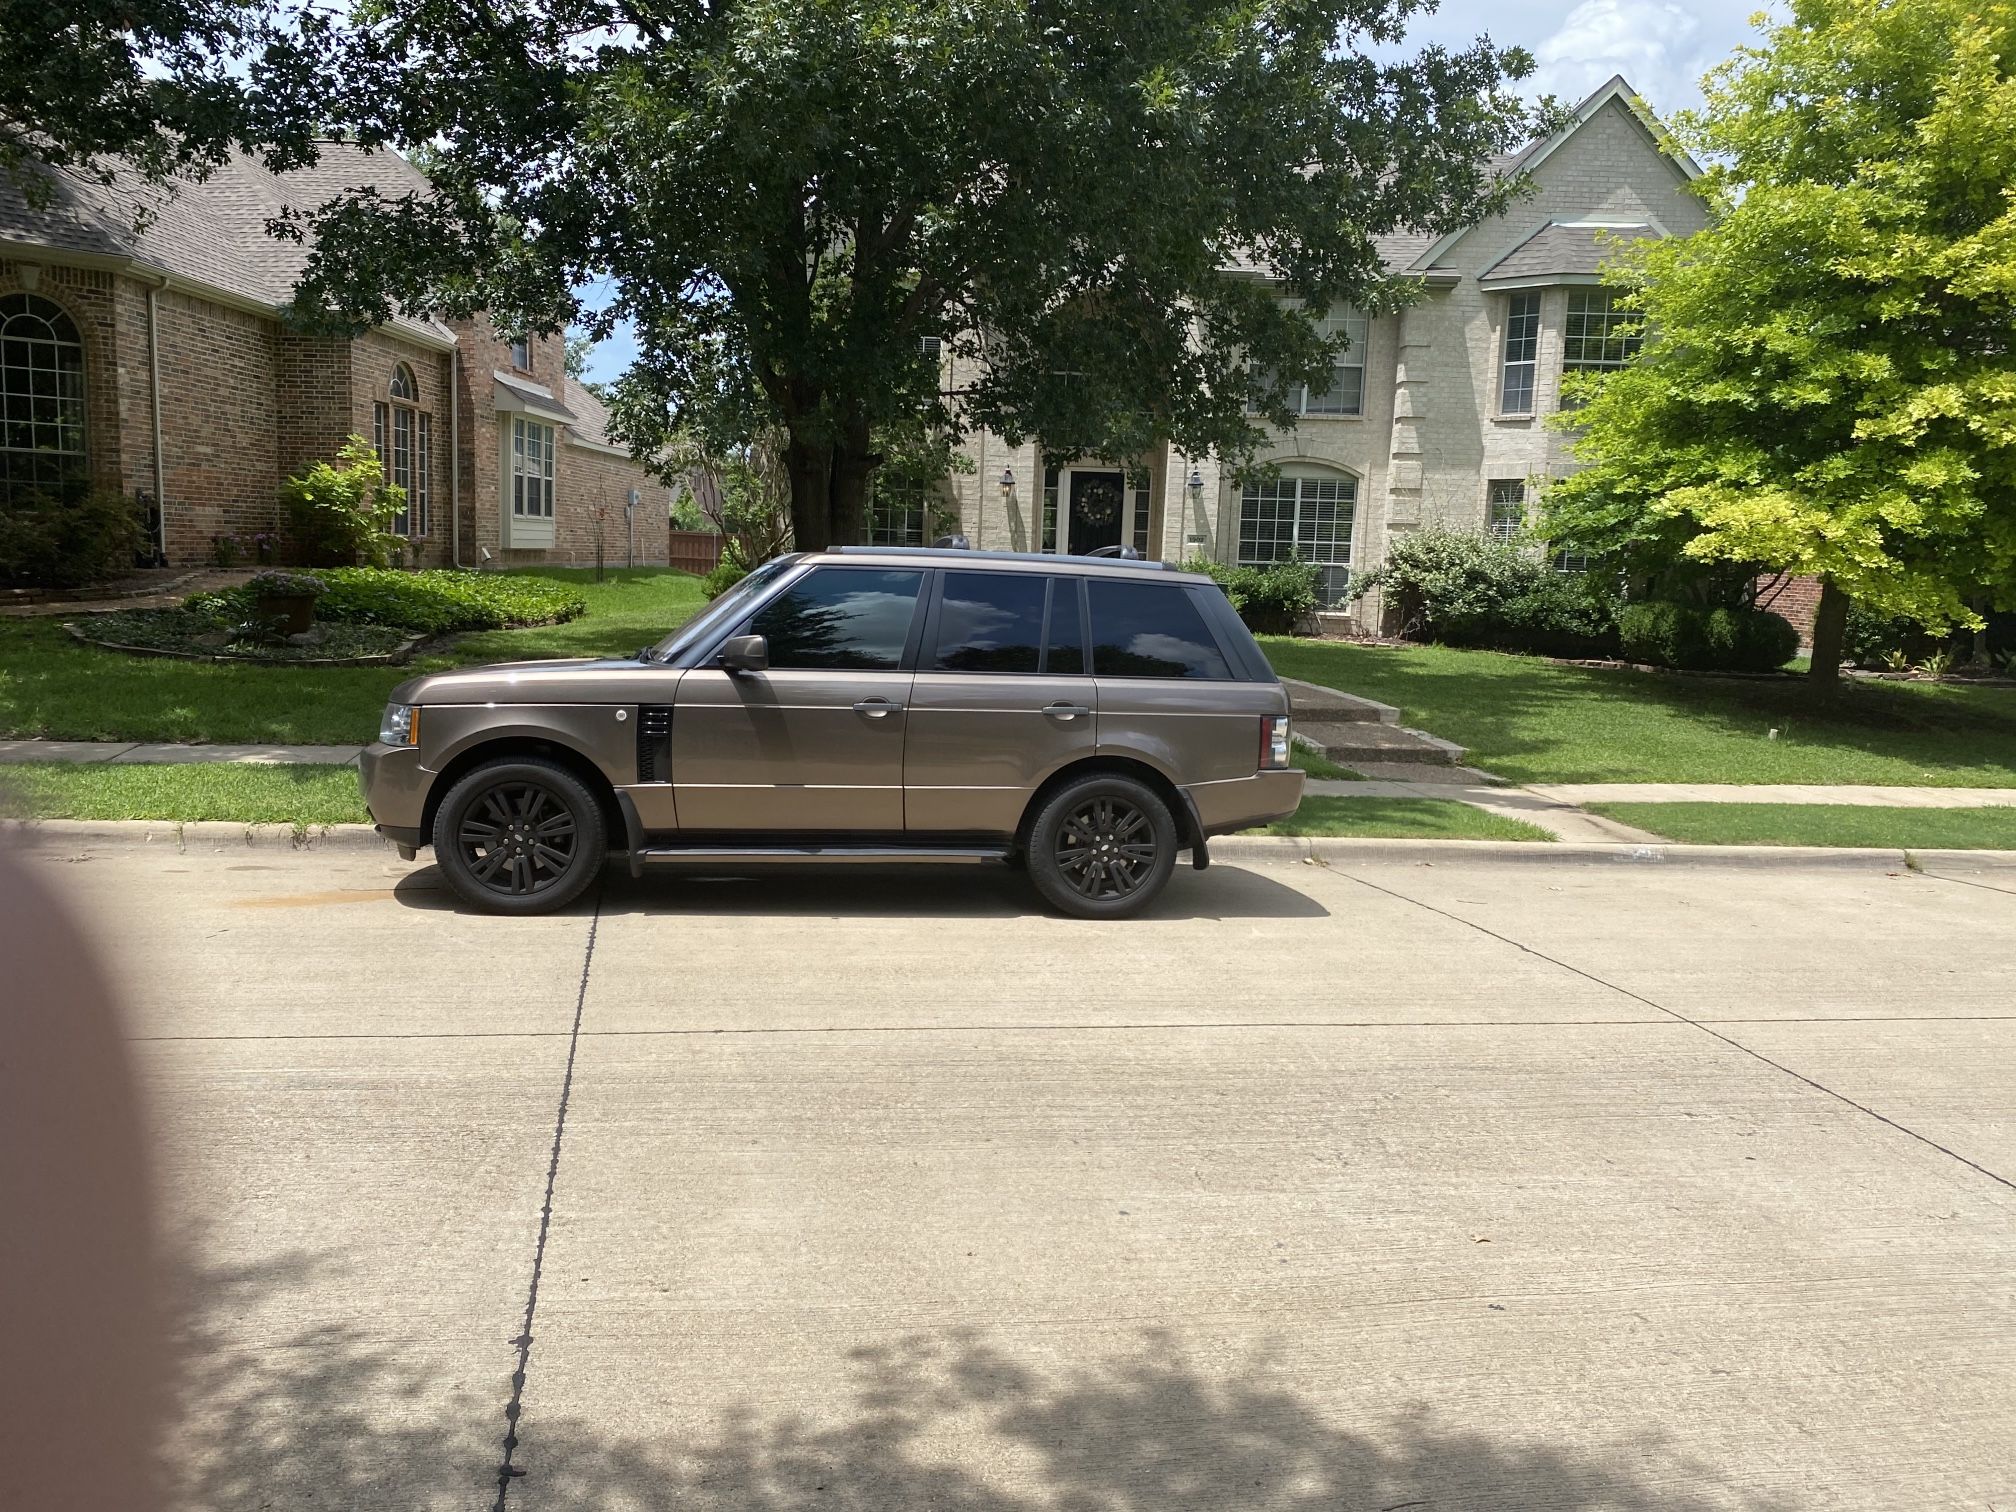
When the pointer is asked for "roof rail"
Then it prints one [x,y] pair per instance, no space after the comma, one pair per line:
[1106,557]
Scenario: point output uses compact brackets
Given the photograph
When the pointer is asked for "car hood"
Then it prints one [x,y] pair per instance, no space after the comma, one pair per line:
[574,679]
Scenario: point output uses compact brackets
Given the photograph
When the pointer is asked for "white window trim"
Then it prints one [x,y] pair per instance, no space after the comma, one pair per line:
[1298,476]
[522,531]
[1504,364]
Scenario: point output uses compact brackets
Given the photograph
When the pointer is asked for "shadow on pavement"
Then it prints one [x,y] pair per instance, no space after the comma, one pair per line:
[946,1422]
[940,892]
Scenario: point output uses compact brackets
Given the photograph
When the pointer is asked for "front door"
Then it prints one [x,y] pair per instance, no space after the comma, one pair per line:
[1098,509]
[815,743]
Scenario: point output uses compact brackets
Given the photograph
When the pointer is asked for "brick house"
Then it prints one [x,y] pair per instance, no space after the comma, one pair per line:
[1435,416]
[158,363]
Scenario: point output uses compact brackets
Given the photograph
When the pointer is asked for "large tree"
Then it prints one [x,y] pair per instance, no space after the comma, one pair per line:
[1829,387]
[1085,200]
[142,90]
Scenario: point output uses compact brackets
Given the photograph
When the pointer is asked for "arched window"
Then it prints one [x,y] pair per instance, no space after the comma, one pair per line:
[41,395]
[405,441]
[1306,512]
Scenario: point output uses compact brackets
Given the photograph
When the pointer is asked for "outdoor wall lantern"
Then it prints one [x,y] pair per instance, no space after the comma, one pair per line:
[1008,483]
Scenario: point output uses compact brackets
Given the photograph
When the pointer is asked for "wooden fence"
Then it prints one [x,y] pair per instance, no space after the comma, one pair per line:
[696,551]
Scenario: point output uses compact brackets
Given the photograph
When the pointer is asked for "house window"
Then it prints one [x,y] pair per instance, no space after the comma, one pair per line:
[896,517]
[1137,497]
[531,469]
[1049,510]
[932,348]
[1345,393]
[1505,508]
[1522,353]
[1599,335]
[41,395]
[1571,563]
[521,354]
[404,438]
[1309,518]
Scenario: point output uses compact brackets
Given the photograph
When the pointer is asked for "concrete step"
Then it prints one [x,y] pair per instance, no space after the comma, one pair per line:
[1356,742]
[1313,703]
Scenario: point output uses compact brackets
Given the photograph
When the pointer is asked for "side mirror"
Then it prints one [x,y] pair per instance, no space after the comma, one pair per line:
[745,653]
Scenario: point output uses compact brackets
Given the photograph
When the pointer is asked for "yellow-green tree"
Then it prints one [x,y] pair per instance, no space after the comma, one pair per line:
[1830,383]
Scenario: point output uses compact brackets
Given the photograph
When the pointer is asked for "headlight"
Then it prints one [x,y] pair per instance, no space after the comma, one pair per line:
[401,725]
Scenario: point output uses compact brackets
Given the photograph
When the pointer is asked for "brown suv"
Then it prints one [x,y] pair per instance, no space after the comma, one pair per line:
[1087,717]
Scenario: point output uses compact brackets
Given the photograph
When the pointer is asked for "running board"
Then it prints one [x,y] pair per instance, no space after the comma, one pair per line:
[885,855]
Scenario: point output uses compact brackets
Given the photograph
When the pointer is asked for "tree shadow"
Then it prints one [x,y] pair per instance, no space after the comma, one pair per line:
[338,1417]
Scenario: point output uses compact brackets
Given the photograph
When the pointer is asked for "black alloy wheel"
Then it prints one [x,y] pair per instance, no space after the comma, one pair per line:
[1102,847]
[520,836]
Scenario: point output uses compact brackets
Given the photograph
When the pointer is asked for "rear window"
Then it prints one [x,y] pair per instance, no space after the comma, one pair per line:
[991,622]
[1151,630]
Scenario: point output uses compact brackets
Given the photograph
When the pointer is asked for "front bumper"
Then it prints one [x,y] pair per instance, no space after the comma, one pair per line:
[1246,802]
[394,785]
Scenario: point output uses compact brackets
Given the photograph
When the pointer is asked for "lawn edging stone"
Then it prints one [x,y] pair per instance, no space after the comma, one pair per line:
[206,834]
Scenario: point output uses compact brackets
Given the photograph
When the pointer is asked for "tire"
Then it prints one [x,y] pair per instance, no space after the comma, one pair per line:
[1102,847]
[488,838]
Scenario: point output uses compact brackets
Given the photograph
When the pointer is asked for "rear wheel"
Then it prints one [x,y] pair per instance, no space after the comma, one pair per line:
[520,836]
[1102,847]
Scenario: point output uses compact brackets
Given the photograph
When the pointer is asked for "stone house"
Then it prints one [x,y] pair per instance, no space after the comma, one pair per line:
[1435,415]
[158,362]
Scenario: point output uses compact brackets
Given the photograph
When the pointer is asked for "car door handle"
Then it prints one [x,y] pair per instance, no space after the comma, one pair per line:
[877,708]
[1065,711]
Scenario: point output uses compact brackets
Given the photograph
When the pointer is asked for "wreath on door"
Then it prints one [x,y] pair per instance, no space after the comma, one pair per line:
[1098,502]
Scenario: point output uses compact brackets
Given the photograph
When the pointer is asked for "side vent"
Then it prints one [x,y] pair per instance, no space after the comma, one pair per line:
[654,743]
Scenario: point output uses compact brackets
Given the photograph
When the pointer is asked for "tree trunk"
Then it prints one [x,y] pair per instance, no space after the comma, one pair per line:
[810,465]
[1830,630]
[853,462]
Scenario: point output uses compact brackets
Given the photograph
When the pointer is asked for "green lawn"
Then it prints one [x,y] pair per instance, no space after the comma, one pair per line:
[51,686]
[1401,819]
[1532,721]
[1821,824]
[305,795]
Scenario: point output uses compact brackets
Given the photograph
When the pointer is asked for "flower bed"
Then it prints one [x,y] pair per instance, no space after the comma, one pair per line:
[201,636]
[434,602]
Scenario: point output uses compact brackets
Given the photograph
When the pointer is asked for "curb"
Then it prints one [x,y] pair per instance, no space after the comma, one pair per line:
[219,835]
[195,834]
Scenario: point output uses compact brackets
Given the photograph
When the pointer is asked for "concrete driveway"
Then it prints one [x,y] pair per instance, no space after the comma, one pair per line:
[1475,1184]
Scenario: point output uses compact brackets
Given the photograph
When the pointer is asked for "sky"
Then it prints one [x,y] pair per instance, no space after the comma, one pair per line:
[1661,46]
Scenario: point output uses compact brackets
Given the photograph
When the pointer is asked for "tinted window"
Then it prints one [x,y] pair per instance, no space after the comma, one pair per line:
[991,622]
[1151,630]
[1067,629]
[847,619]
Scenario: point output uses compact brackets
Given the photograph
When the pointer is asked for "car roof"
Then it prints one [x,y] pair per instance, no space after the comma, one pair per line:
[961,556]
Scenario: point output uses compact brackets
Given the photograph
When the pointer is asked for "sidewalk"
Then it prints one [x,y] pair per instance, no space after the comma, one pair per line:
[137,753]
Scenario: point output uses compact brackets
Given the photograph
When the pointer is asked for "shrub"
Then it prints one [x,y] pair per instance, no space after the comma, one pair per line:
[1706,640]
[342,511]
[1877,640]
[1466,590]
[67,538]
[726,574]
[429,603]
[1272,598]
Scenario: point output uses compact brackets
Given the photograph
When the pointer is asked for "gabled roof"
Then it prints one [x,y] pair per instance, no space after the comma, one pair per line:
[210,234]
[1565,249]
[1616,90]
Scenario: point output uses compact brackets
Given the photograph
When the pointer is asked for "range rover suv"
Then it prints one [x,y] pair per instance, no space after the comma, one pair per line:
[1087,718]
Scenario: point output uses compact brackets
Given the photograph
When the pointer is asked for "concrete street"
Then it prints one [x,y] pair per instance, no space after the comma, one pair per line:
[1464,1182]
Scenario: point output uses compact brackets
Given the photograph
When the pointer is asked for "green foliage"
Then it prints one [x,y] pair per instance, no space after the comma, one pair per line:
[1467,590]
[430,603]
[726,574]
[1876,640]
[67,538]
[342,511]
[1829,391]
[1691,638]
[1271,598]
[784,201]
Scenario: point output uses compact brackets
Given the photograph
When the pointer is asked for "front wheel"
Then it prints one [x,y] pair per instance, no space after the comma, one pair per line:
[521,836]
[1102,847]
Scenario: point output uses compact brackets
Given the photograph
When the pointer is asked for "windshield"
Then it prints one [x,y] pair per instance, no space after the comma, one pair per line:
[725,610]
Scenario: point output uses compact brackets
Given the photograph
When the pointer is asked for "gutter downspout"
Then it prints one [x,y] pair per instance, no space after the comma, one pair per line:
[154,393]
[455,455]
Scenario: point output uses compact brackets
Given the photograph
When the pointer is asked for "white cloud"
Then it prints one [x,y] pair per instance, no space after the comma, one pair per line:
[1654,45]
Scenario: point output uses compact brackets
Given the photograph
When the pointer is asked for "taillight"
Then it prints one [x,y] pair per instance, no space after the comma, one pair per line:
[1274,742]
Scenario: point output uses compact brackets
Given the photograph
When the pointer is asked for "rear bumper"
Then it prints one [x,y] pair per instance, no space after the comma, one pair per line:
[394,785]
[1244,802]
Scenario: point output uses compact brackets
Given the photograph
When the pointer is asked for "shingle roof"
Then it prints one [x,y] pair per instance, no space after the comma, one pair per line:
[212,232]
[1564,249]
[591,415]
